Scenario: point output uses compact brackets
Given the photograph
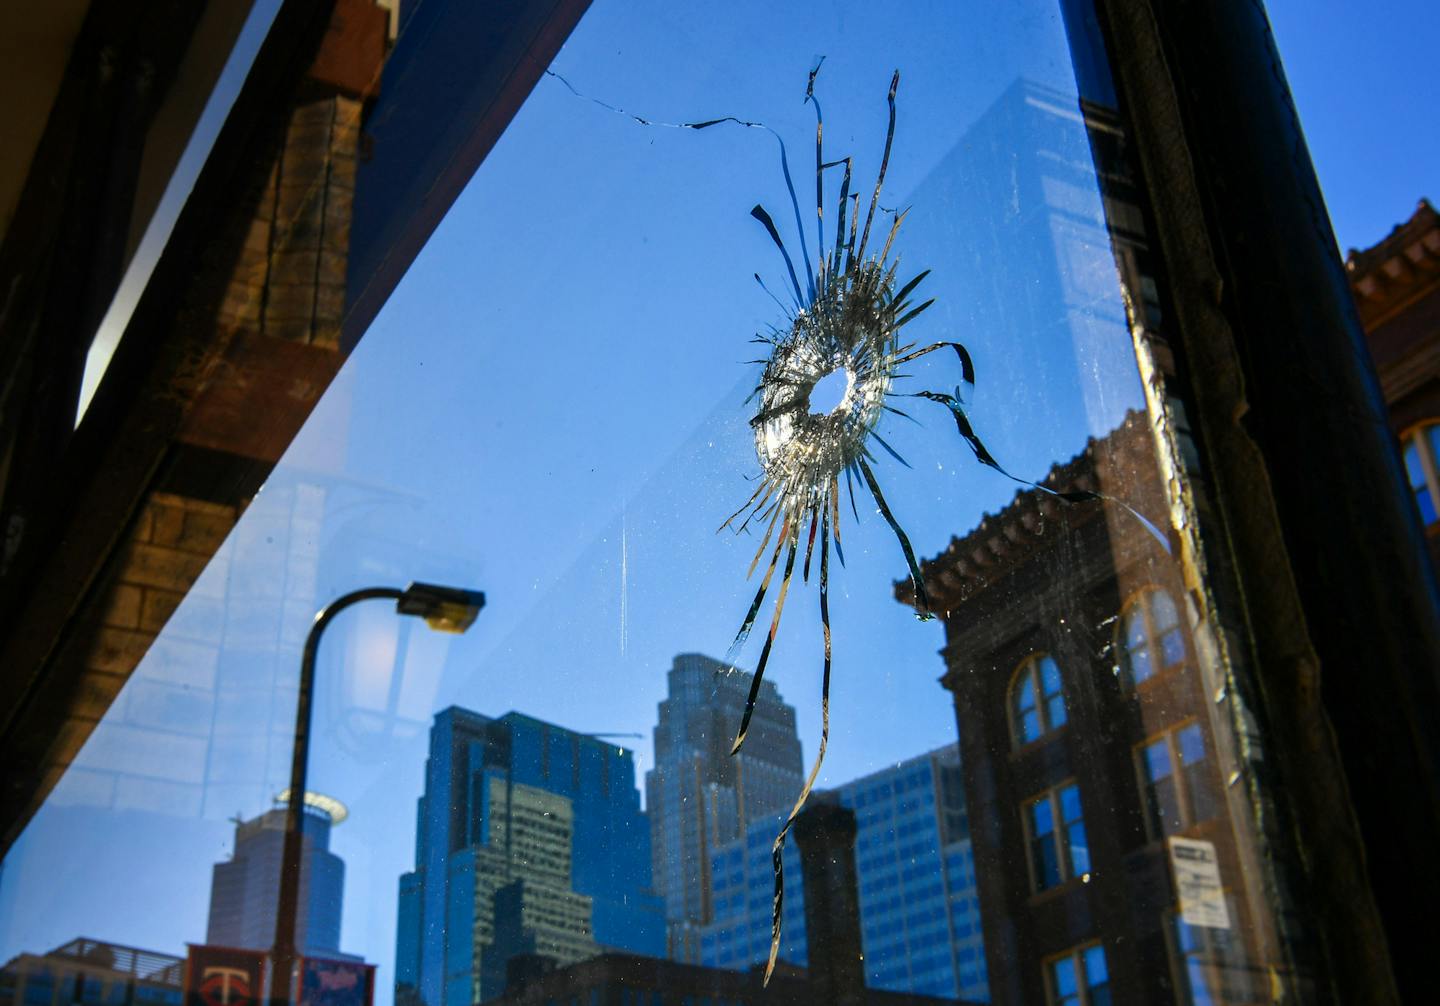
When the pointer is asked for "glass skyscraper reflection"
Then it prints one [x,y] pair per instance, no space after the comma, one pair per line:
[919,916]
[529,839]
[244,891]
[699,796]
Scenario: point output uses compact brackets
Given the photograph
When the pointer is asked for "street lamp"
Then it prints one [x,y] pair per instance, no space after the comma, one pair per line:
[445,609]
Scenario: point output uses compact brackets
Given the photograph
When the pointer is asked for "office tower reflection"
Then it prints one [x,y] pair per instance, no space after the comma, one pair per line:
[244,890]
[530,841]
[919,915]
[825,834]
[699,796]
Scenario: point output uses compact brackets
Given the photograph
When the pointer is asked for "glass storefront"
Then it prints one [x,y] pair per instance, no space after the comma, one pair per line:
[1050,787]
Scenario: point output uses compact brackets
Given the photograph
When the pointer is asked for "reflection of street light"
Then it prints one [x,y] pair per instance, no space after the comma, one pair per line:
[446,609]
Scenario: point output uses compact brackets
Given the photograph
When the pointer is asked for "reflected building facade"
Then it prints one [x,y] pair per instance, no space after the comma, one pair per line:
[87,972]
[244,891]
[1106,863]
[624,978]
[1396,283]
[1105,857]
[699,796]
[918,907]
[825,839]
[530,841]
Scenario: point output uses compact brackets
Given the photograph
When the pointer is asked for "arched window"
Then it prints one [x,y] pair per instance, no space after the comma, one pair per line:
[1037,702]
[1422,463]
[1150,637]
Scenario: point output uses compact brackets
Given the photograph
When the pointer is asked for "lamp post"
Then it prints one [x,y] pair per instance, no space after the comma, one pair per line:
[445,609]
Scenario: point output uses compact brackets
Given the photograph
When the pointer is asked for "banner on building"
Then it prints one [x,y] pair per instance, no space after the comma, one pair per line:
[224,976]
[336,983]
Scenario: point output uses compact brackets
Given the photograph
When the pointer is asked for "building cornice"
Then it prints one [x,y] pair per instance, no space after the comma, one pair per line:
[1396,272]
[1003,541]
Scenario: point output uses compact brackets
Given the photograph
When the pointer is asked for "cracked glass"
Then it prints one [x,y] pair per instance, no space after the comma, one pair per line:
[1043,789]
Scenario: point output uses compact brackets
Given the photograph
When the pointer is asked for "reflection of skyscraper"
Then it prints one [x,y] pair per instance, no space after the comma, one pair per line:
[523,874]
[243,891]
[1020,189]
[919,916]
[530,840]
[698,795]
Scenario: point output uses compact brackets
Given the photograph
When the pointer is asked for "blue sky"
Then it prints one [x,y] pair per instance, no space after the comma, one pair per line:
[550,408]
[1361,77]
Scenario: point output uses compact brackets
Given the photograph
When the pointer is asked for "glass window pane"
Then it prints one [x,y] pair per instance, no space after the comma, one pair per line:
[1046,859]
[1187,937]
[1070,803]
[1027,718]
[1030,727]
[1426,503]
[1162,610]
[1415,470]
[1055,709]
[590,459]
[1190,741]
[1172,647]
[1198,974]
[1413,466]
[1079,849]
[1095,972]
[1135,635]
[1050,676]
[1025,690]
[1063,973]
[1157,760]
[1138,662]
[1041,818]
[1044,853]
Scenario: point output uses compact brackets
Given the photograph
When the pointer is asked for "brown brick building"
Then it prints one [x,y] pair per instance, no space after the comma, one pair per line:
[1397,289]
[261,326]
[1087,709]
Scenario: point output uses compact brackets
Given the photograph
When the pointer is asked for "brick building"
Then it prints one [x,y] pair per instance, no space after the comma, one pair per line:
[1087,712]
[261,327]
[1397,290]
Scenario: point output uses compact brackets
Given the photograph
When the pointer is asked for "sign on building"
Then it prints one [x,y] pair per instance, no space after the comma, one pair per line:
[1197,881]
[224,976]
[336,983]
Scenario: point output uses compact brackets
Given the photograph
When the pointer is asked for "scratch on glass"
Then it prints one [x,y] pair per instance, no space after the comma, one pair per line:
[624,581]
